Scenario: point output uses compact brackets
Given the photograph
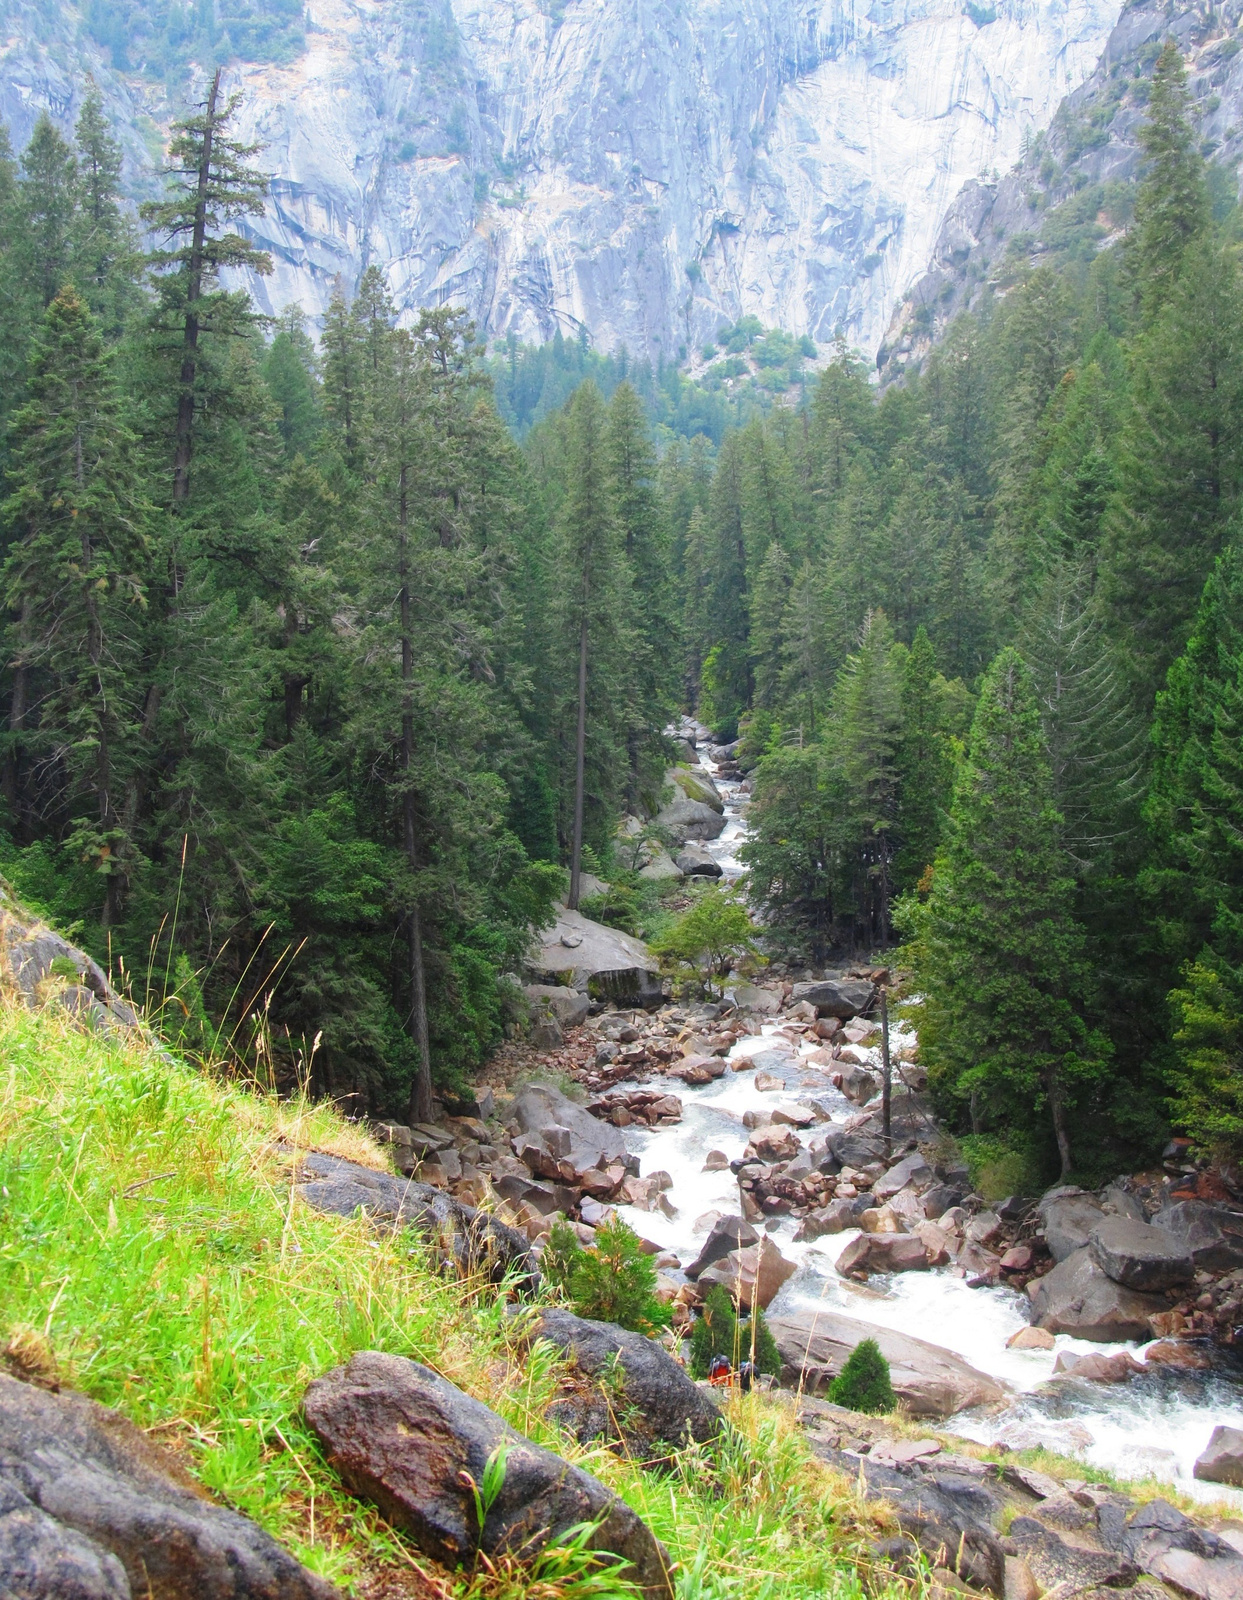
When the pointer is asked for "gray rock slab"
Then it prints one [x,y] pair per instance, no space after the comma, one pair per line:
[569,1006]
[835,997]
[1079,1299]
[1212,1234]
[932,1382]
[1140,1256]
[87,1500]
[1222,1459]
[1068,1218]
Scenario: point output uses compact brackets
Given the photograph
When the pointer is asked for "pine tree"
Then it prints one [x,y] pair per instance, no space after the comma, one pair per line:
[864,740]
[864,1384]
[1194,812]
[594,579]
[769,597]
[1171,209]
[1180,471]
[106,260]
[925,765]
[211,186]
[74,581]
[997,956]
[46,211]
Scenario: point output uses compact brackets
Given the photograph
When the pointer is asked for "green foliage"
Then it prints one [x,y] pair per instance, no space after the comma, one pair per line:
[996,953]
[709,938]
[718,1331]
[863,1383]
[610,1281]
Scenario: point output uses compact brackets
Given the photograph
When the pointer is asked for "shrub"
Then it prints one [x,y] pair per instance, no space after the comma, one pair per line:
[710,938]
[863,1383]
[719,1333]
[613,1281]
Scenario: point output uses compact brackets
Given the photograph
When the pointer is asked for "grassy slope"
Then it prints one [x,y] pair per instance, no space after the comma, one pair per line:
[151,1254]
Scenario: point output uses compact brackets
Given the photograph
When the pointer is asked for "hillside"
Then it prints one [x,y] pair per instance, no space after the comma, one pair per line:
[1073,191]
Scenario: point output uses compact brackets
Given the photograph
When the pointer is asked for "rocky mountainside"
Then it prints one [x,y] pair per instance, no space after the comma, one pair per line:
[1071,191]
[641,169]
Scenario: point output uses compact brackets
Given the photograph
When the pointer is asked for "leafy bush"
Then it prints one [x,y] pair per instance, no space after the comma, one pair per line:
[863,1383]
[719,1333]
[706,941]
[613,1281]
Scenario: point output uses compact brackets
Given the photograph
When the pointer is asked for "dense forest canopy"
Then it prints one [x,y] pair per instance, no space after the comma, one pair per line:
[307,645]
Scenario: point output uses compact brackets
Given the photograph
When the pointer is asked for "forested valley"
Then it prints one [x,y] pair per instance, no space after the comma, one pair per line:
[297,634]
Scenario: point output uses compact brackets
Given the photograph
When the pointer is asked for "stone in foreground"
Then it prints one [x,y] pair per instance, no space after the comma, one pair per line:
[1079,1299]
[1222,1461]
[404,1437]
[930,1381]
[1139,1256]
[659,1402]
[91,1510]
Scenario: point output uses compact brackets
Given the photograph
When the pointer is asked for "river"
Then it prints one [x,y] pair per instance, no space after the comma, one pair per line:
[1153,1426]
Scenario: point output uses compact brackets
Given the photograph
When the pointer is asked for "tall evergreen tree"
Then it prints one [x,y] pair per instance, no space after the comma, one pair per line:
[864,738]
[74,581]
[925,765]
[46,212]
[997,956]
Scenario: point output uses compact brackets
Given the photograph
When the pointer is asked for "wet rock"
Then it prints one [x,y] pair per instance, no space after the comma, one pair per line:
[696,862]
[930,1381]
[835,997]
[473,1240]
[91,1510]
[858,1084]
[1211,1235]
[836,1217]
[404,1437]
[881,1252]
[948,1534]
[1117,1368]
[762,1002]
[660,1406]
[1031,1339]
[1079,1299]
[1052,1561]
[769,1083]
[911,1172]
[716,1161]
[940,1198]
[1177,1353]
[726,1235]
[1068,1217]
[1139,1256]
[568,1006]
[1222,1461]
[752,1275]
[1018,1258]
[559,1139]
[684,819]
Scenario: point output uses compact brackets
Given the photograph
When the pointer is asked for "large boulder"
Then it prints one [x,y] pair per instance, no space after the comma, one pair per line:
[91,1510]
[1068,1217]
[752,1275]
[545,1123]
[726,1235]
[568,1006]
[660,1405]
[407,1439]
[684,819]
[37,964]
[696,862]
[1139,1256]
[1222,1459]
[913,1172]
[1212,1235]
[930,1382]
[751,997]
[835,997]
[472,1241]
[1079,1299]
[697,785]
[883,1252]
[588,955]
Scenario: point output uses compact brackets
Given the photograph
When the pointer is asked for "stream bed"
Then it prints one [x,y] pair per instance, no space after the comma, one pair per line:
[1153,1426]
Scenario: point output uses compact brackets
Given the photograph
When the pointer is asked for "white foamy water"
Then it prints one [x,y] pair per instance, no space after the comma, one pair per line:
[1154,1426]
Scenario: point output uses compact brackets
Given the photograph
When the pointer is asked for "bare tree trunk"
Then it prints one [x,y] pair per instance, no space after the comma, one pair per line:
[580,759]
[17,723]
[194,288]
[420,1109]
[1058,1111]
[887,1080]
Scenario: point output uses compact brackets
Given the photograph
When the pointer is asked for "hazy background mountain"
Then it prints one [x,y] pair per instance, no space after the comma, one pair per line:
[646,170]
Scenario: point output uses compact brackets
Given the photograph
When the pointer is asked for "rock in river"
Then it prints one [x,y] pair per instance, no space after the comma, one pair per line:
[588,955]
[1068,1217]
[930,1381]
[409,1440]
[1222,1461]
[1079,1299]
[1139,1256]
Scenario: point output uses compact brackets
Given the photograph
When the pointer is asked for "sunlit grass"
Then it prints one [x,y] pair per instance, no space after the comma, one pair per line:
[153,1254]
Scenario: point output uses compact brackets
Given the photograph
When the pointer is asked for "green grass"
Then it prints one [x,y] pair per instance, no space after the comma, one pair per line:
[152,1254]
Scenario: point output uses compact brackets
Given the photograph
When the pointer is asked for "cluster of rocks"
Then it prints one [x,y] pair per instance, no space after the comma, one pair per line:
[1068,1536]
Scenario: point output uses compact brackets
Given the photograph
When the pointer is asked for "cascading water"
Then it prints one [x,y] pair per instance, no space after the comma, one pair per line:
[1153,1426]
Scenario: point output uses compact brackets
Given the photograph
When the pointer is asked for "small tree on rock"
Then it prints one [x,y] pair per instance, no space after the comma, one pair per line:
[863,1384]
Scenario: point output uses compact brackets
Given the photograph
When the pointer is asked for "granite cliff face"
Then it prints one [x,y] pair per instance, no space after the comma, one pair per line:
[646,168]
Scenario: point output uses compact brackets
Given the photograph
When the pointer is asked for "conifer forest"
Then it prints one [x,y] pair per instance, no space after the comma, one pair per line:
[327,661]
